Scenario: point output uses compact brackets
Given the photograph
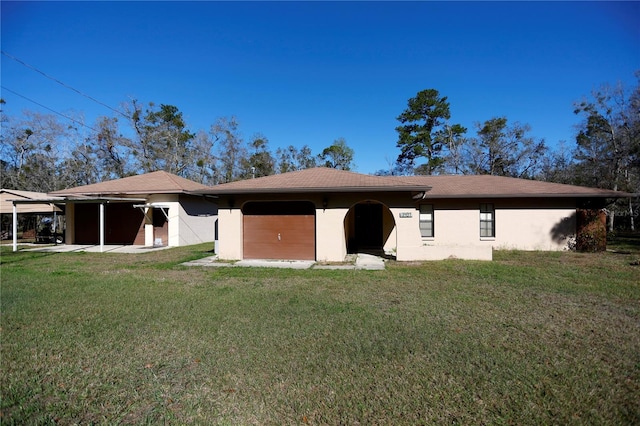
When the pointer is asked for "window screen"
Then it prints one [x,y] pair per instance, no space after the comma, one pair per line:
[487,220]
[426,220]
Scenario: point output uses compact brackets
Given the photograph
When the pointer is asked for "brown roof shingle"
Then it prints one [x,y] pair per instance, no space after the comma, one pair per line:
[322,179]
[468,186]
[159,182]
[319,179]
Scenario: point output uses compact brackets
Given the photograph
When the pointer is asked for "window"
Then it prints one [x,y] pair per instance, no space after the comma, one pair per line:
[487,221]
[426,220]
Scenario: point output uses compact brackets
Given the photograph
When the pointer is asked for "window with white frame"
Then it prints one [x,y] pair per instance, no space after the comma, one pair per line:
[487,221]
[426,220]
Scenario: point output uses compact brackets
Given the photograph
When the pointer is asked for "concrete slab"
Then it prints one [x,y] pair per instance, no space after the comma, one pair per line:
[69,248]
[291,264]
[362,261]
[212,261]
[369,262]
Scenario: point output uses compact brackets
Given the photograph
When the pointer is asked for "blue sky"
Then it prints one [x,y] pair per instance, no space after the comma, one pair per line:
[312,72]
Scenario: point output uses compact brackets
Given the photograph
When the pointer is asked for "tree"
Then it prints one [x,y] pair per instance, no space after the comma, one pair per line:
[110,149]
[162,141]
[232,152]
[31,151]
[558,166]
[608,142]
[422,133]
[290,159]
[394,169]
[504,150]
[205,164]
[79,168]
[260,162]
[337,156]
[452,137]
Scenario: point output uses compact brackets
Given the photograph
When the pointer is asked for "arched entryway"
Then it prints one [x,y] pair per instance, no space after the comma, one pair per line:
[368,226]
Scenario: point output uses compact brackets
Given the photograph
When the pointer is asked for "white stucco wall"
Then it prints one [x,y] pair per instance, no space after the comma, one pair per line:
[519,224]
[197,219]
[532,229]
[330,239]
[230,233]
[191,220]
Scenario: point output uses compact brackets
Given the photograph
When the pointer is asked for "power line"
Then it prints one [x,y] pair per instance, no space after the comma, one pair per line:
[61,83]
[47,108]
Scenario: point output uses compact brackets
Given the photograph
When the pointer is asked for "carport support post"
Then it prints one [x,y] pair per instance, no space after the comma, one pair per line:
[101,227]
[15,227]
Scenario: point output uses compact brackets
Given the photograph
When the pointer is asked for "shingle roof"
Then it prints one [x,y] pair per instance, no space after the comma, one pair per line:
[468,186]
[322,179]
[159,182]
[319,179]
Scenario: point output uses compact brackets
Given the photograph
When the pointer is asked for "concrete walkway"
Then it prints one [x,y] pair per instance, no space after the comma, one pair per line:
[362,261]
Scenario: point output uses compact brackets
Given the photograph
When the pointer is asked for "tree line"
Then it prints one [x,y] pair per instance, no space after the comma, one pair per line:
[606,153]
[42,152]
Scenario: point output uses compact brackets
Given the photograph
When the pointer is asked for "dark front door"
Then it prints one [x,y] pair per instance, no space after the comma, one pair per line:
[368,225]
[160,227]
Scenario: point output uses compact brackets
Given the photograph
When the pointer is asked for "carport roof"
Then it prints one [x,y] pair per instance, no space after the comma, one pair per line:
[34,202]
[159,182]
[322,179]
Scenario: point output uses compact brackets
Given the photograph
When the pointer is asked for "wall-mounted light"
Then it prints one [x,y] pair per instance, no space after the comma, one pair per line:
[325,202]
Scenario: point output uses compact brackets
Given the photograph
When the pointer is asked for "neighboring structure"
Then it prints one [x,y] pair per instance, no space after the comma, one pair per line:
[151,209]
[322,214]
[32,205]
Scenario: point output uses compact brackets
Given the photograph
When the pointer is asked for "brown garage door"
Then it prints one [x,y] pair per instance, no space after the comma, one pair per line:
[279,230]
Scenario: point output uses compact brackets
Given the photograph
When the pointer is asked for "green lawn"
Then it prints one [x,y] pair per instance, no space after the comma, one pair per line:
[530,338]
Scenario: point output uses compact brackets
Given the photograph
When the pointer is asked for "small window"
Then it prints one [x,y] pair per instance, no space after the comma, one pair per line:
[426,220]
[487,221]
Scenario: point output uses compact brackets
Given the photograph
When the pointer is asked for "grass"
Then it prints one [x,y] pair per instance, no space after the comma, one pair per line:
[530,338]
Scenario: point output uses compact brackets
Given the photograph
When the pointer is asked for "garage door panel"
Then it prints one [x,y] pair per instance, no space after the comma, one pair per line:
[279,237]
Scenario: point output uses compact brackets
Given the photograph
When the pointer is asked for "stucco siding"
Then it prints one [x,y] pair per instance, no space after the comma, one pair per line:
[534,229]
[191,220]
[197,221]
[330,237]
[230,233]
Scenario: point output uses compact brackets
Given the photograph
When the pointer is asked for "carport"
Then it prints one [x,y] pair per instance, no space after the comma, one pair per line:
[101,202]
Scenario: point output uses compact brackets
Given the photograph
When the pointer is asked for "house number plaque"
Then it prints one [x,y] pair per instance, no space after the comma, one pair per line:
[405,214]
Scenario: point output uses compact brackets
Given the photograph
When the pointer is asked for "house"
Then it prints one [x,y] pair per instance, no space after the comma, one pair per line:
[323,214]
[156,208]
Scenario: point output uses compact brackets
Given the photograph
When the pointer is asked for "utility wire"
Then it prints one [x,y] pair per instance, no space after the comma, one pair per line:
[61,83]
[47,108]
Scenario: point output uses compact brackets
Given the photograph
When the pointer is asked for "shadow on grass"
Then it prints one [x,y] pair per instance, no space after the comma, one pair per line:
[8,256]
[624,242]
